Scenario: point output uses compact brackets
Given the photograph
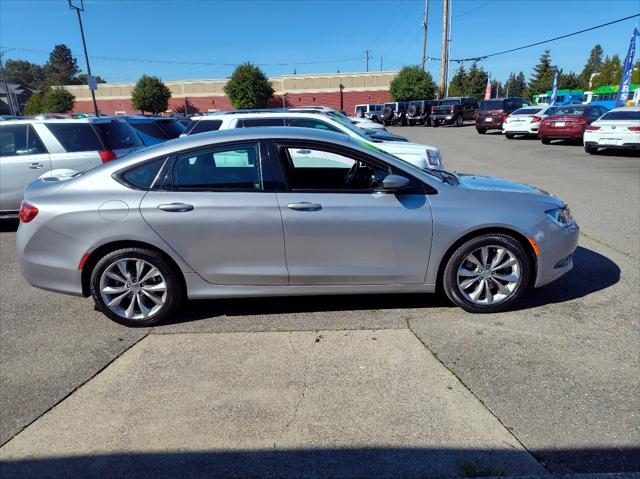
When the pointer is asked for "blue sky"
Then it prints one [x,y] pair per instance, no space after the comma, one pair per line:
[285,35]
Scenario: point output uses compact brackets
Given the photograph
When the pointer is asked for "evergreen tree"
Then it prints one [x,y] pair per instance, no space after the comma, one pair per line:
[58,100]
[610,72]
[569,80]
[412,83]
[458,82]
[249,87]
[593,65]
[82,79]
[542,79]
[150,94]
[476,84]
[33,105]
[515,85]
[62,67]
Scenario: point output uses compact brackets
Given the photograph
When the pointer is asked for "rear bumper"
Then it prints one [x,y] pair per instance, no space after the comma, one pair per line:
[561,134]
[448,118]
[488,125]
[621,145]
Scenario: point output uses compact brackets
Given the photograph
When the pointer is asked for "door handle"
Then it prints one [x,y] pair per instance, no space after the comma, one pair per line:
[304,206]
[175,207]
[36,166]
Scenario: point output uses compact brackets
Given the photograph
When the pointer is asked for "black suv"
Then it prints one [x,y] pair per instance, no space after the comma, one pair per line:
[395,113]
[454,111]
[419,112]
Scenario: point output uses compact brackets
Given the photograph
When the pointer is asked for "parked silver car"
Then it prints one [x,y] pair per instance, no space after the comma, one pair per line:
[30,148]
[285,211]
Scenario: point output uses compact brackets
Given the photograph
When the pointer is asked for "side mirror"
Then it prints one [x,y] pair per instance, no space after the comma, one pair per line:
[395,183]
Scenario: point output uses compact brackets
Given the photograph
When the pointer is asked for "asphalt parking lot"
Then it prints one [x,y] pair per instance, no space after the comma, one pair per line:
[556,381]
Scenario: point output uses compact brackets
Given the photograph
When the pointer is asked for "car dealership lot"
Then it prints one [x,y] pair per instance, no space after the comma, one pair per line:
[560,373]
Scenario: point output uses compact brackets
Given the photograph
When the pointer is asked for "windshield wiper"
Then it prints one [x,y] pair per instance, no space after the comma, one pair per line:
[444,176]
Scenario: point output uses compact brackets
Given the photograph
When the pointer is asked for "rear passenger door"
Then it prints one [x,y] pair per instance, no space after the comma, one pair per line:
[23,158]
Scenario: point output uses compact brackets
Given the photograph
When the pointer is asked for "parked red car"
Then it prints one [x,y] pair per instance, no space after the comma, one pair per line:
[568,122]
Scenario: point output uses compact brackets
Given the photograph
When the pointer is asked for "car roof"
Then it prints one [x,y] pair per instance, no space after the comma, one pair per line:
[625,108]
[278,113]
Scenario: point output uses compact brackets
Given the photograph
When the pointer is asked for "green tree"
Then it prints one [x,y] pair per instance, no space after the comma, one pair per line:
[58,100]
[458,82]
[569,80]
[610,72]
[515,85]
[33,105]
[248,87]
[82,79]
[542,79]
[412,83]
[476,84]
[62,67]
[592,66]
[150,94]
[25,73]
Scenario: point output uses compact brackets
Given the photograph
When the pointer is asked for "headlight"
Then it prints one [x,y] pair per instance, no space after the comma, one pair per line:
[434,158]
[561,216]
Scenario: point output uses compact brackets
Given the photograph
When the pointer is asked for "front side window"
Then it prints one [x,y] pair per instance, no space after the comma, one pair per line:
[234,167]
[321,170]
[13,140]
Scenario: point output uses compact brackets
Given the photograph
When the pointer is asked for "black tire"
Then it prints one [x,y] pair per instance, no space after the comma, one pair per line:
[509,136]
[449,279]
[174,286]
[436,123]
[459,121]
[592,150]
[545,141]
[427,122]
[482,131]
[375,119]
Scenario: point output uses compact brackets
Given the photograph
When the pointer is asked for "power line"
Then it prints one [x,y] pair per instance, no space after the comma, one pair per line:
[482,57]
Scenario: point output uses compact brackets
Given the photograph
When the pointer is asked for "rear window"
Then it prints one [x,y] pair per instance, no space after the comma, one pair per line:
[565,110]
[527,111]
[118,135]
[449,102]
[75,136]
[621,115]
[142,176]
[151,129]
[173,128]
[205,125]
[491,105]
[258,122]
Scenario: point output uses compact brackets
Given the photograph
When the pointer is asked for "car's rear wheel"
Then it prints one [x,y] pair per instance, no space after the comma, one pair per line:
[545,141]
[592,150]
[136,287]
[487,274]
[509,136]
[482,131]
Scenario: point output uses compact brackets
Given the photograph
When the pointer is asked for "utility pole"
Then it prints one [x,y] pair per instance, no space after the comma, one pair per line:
[445,34]
[424,38]
[380,62]
[446,81]
[90,80]
[366,56]
[6,86]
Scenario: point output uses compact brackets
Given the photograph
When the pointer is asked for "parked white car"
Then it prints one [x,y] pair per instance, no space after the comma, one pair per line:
[618,128]
[364,123]
[422,156]
[524,121]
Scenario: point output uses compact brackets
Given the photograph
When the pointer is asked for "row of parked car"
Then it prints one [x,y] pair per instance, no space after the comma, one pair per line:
[593,124]
[55,145]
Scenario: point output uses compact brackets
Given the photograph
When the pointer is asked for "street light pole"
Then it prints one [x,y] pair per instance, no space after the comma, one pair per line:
[86,55]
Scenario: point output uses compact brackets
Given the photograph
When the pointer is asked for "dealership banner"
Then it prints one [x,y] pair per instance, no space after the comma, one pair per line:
[625,79]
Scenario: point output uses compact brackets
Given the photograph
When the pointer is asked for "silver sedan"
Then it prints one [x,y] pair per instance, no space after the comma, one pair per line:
[280,212]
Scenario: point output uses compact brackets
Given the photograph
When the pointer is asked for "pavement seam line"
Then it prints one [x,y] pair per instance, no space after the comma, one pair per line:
[607,245]
[66,396]
[168,333]
[455,375]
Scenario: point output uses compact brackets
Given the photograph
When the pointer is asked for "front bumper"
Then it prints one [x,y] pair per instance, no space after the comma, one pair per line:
[557,246]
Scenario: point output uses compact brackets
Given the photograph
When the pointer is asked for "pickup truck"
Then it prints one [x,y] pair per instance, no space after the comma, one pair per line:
[454,111]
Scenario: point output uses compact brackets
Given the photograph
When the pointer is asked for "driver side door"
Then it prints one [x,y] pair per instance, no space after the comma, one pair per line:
[340,228]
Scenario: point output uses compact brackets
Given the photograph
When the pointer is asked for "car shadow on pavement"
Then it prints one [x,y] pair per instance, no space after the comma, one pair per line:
[592,272]
[371,462]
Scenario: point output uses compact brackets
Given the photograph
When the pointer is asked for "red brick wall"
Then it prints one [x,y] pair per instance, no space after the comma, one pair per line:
[202,104]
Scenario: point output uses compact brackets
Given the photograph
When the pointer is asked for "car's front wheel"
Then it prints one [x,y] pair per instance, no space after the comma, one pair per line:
[136,287]
[545,141]
[509,136]
[487,274]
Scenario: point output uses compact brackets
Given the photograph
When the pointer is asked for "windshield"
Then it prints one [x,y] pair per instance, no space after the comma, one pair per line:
[354,129]
[566,110]
[449,102]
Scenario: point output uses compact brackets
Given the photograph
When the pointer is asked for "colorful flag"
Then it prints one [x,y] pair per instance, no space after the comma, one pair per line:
[625,79]
[487,93]
[554,90]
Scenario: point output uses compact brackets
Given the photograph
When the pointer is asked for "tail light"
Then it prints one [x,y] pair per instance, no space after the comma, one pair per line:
[633,128]
[107,155]
[504,118]
[452,109]
[27,212]
[593,128]
[433,109]
[535,119]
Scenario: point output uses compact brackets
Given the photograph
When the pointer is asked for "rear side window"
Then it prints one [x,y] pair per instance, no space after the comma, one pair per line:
[622,115]
[151,129]
[491,105]
[118,135]
[310,123]
[142,176]
[20,140]
[258,122]
[204,125]
[75,136]
[173,128]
